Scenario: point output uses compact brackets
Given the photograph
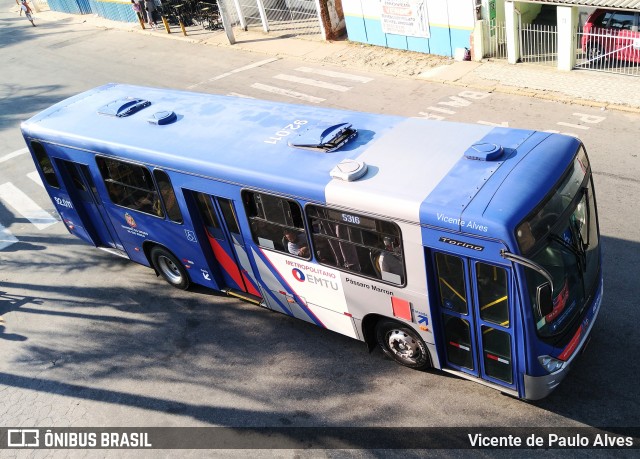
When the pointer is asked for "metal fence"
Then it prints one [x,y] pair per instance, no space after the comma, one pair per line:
[609,51]
[497,40]
[284,17]
[539,44]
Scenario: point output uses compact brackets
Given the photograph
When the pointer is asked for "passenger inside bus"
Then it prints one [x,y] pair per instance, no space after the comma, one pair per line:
[390,258]
[296,243]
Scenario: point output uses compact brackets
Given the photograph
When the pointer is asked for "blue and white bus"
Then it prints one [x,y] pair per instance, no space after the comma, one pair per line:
[466,248]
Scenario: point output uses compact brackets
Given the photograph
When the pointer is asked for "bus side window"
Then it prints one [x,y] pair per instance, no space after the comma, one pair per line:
[364,245]
[168,196]
[451,280]
[276,223]
[492,294]
[130,186]
[45,165]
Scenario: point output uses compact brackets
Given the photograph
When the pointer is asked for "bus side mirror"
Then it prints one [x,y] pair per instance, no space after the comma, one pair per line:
[544,299]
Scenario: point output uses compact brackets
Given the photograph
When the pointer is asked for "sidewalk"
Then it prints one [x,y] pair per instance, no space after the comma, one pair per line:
[597,89]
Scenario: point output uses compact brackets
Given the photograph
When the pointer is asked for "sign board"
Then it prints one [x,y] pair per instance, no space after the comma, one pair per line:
[405,17]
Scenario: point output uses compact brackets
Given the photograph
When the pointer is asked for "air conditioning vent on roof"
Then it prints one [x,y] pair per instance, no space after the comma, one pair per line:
[162,118]
[483,152]
[124,107]
[349,170]
[324,138]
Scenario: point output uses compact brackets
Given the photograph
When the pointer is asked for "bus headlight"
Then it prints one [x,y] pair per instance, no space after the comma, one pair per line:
[550,364]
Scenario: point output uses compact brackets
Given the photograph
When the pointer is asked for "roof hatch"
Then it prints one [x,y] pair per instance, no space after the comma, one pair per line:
[323,137]
[483,152]
[124,107]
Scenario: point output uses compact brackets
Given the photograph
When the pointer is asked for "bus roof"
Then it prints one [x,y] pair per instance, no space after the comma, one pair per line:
[417,168]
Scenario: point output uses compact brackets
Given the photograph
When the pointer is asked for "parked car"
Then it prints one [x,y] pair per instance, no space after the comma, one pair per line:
[611,35]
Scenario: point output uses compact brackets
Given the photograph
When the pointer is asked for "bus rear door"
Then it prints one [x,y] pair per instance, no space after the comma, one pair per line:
[84,194]
[225,241]
[475,310]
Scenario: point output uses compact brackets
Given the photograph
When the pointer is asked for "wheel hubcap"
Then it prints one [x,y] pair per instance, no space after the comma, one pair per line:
[403,345]
[169,269]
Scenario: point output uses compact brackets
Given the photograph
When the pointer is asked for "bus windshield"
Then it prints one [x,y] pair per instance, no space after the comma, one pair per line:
[562,237]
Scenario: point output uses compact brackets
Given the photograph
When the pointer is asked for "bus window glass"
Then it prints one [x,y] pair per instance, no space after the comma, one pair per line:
[75,176]
[364,245]
[276,223]
[45,165]
[229,215]
[130,185]
[168,196]
[497,354]
[537,226]
[451,282]
[492,294]
[457,334]
[207,211]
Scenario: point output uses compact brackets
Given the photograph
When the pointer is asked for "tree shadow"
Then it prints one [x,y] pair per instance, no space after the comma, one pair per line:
[133,327]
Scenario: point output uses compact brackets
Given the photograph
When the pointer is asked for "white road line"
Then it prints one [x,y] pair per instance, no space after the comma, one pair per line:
[577,126]
[331,74]
[310,82]
[23,204]
[288,93]
[36,178]
[6,238]
[232,72]
[13,155]
[237,94]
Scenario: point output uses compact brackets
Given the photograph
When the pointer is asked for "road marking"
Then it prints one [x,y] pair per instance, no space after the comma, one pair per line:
[576,126]
[288,93]
[232,72]
[237,94]
[442,110]
[491,123]
[310,82]
[331,74]
[36,178]
[6,238]
[14,154]
[23,204]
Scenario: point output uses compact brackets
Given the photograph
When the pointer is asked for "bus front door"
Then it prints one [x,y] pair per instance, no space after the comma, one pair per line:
[225,241]
[476,317]
[94,217]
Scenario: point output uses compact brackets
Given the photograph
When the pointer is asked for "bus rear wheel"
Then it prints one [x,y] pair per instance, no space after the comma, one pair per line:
[169,268]
[402,344]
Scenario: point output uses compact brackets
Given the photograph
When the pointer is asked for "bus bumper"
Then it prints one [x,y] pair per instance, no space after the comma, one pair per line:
[537,387]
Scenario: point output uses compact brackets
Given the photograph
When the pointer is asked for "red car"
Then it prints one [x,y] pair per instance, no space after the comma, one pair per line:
[612,35]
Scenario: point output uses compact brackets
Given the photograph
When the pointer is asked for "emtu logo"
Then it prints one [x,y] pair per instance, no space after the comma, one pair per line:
[299,275]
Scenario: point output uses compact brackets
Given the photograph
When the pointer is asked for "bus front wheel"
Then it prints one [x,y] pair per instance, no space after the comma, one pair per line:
[402,344]
[169,268]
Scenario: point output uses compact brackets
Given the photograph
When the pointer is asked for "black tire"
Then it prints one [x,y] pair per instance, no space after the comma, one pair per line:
[170,268]
[402,344]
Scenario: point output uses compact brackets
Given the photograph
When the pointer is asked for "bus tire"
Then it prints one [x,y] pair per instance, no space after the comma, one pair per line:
[168,266]
[402,344]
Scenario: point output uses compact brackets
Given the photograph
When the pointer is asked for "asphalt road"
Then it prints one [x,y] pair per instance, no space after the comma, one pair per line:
[89,339]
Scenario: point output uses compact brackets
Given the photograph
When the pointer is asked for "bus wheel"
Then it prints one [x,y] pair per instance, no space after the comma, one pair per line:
[169,268]
[402,344]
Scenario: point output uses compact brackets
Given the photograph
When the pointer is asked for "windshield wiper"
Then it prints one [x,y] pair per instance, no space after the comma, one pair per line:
[574,250]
